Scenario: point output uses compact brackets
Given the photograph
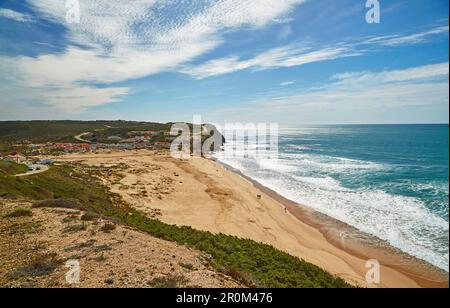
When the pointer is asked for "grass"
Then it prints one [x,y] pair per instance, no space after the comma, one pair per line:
[74,228]
[41,266]
[252,263]
[109,281]
[29,227]
[103,248]
[188,266]
[108,227]
[166,282]
[21,212]
[64,131]
[10,168]
[71,204]
[89,216]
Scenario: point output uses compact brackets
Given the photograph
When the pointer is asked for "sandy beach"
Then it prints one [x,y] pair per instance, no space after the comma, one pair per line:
[208,196]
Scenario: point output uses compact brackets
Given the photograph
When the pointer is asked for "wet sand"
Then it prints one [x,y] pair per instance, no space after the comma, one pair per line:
[358,243]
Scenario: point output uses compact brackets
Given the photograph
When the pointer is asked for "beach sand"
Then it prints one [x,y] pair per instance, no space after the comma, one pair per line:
[208,196]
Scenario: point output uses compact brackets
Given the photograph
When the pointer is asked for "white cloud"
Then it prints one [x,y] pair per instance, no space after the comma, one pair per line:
[294,55]
[287,83]
[117,41]
[357,93]
[416,38]
[14,15]
[421,73]
[409,87]
[287,56]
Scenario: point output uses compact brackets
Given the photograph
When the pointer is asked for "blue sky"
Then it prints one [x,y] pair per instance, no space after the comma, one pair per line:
[288,61]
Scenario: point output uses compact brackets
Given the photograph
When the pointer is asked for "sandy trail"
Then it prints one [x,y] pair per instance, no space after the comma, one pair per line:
[206,196]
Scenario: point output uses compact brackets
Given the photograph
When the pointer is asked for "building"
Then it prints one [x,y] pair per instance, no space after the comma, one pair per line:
[46,161]
[114,138]
[127,141]
[16,158]
[71,147]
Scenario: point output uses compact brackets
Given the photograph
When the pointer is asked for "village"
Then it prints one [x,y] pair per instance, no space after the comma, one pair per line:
[136,140]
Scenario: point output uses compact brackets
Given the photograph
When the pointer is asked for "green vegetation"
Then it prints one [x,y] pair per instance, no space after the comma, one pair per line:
[63,131]
[41,266]
[89,216]
[254,264]
[28,227]
[21,212]
[9,168]
[15,135]
[166,282]
[108,228]
[188,266]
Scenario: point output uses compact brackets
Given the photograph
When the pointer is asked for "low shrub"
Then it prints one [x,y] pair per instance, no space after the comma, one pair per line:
[41,266]
[89,216]
[71,204]
[21,212]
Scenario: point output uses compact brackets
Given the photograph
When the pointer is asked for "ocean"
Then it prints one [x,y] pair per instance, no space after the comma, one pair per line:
[391,181]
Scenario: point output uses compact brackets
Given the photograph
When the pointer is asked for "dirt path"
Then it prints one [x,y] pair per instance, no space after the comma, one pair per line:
[80,137]
[42,169]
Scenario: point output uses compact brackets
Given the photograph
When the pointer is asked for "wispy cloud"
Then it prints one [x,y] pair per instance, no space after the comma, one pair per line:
[287,56]
[355,92]
[116,41]
[409,87]
[14,15]
[416,38]
[287,83]
[296,55]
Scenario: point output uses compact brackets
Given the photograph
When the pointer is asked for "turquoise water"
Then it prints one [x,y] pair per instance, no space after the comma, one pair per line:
[391,181]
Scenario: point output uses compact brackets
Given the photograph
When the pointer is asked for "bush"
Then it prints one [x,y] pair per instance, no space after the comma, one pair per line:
[166,282]
[21,212]
[188,266]
[40,266]
[89,216]
[249,262]
[59,203]
[74,228]
[108,227]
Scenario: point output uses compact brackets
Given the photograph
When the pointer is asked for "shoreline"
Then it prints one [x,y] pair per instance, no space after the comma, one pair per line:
[207,195]
[355,242]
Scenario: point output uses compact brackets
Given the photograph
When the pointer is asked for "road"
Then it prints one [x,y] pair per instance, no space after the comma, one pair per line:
[43,168]
[80,137]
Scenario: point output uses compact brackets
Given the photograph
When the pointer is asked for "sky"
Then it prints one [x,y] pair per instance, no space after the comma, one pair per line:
[293,62]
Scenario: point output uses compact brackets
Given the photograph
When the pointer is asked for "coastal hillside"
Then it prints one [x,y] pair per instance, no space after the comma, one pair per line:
[37,242]
[65,131]
[69,212]
[52,137]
